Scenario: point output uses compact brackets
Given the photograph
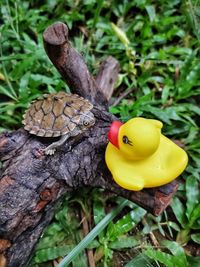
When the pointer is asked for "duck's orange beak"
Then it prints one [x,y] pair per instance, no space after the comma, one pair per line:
[113,133]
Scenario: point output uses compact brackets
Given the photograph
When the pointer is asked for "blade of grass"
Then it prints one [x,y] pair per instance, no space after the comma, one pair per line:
[16,57]
[97,12]
[11,89]
[7,92]
[95,231]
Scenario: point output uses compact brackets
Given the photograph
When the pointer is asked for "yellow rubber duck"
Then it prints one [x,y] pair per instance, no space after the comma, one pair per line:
[140,156]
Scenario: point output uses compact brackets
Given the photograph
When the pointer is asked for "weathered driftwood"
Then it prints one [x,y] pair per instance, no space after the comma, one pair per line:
[32,183]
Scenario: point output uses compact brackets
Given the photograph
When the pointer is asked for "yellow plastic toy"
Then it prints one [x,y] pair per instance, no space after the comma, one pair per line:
[139,156]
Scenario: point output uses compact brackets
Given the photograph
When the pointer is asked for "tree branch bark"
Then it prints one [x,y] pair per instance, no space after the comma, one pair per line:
[71,64]
[32,183]
[107,76]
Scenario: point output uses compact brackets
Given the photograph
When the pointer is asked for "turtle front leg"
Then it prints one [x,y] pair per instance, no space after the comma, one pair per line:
[50,150]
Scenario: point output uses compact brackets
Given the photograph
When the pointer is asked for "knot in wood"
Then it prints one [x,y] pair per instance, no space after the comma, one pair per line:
[4,245]
[46,195]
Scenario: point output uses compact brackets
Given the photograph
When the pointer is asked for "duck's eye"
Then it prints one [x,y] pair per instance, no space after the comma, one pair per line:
[126,140]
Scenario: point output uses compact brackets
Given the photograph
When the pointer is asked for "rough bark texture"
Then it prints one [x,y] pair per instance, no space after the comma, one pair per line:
[31,183]
[71,64]
[104,79]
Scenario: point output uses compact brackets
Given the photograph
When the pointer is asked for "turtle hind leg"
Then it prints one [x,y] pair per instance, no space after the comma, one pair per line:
[50,150]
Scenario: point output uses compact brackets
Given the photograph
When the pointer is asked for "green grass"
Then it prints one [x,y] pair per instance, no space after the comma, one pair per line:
[157,46]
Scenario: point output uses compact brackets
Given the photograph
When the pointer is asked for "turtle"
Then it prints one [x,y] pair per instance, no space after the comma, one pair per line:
[58,114]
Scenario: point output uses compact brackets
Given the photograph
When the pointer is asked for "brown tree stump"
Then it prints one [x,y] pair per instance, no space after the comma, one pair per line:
[32,183]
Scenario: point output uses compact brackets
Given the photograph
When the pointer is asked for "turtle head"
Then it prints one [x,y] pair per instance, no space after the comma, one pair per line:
[87,120]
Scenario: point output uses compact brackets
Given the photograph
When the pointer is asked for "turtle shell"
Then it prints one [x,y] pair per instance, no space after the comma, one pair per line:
[55,114]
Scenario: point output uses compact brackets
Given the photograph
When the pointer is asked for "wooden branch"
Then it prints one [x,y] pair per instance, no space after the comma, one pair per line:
[31,183]
[70,63]
[107,75]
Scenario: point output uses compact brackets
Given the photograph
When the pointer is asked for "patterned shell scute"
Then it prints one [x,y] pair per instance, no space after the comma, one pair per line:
[55,114]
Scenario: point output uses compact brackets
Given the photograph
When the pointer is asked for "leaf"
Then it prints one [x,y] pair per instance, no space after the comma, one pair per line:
[65,222]
[140,103]
[196,238]
[174,226]
[81,259]
[192,193]
[98,209]
[177,251]
[7,92]
[97,12]
[160,256]
[15,57]
[151,12]
[124,242]
[139,261]
[186,66]
[186,84]
[125,224]
[91,236]
[195,215]
[159,113]
[120,34]
[51,241]
[193,132]
[122,226]
[53,229]
[44,255]
[23,85]
[193,261]
[93,244]
[9,119]
[165,93]
[2,77]
[193,170]
[179,211]
[41,79]
[183,237]
[21,68]
[67,219]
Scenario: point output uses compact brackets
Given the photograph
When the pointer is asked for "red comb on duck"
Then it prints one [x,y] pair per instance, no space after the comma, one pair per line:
[113,133]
